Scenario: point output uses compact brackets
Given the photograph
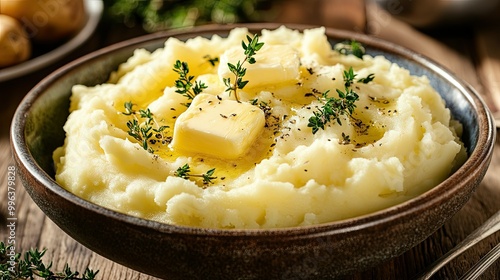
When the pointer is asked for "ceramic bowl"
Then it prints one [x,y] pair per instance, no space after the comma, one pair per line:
[178,252]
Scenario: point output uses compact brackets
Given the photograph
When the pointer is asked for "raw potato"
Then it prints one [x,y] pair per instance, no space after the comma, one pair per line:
[46,21]
[15,46]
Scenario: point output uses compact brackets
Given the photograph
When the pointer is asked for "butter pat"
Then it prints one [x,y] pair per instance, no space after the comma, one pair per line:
[274,64]
[218,128]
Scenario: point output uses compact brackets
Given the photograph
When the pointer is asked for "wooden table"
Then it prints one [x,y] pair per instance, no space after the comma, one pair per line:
[472,53]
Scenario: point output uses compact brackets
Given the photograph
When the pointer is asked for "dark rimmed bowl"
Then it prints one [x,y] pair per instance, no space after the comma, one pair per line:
[178,252]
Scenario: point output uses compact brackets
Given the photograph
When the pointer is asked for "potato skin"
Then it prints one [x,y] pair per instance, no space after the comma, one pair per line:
[15,46]
[46,21]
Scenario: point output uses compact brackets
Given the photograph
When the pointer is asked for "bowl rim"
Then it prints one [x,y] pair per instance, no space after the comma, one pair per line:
[479,158]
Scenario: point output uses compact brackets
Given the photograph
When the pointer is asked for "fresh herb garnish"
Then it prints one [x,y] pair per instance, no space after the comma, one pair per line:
[32,265]
[346,139]
[238,70]
[213,61]
[144,128]
[350,47]
[264,106]
[184,84]
[367,79]
[333,108]
[185,173]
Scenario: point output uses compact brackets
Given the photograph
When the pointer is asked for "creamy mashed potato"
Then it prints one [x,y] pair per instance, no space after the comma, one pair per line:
[399,142]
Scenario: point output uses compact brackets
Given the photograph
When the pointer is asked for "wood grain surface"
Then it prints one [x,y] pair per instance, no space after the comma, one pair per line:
[472,53]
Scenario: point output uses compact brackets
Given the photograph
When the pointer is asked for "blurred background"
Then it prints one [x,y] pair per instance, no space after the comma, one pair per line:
[40,26]
[155,15]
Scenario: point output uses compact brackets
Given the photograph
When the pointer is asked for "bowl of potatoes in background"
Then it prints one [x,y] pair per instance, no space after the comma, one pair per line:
[36,33]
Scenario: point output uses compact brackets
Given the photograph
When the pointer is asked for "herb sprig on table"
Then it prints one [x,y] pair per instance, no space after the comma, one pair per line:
[31,265]
[333,108]
[185,173]
[143,127]
[250,49]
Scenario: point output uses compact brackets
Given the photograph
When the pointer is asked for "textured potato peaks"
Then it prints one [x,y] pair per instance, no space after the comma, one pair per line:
[271,170]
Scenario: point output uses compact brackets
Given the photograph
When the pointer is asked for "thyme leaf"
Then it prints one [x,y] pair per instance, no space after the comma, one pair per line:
[183,171]
[351,47]
[250,49]
[367,79]
[212,60]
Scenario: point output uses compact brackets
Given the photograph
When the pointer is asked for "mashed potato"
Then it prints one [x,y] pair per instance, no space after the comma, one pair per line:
[399,142]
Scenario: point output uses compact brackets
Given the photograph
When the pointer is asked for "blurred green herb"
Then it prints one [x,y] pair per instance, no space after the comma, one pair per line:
[213,61]
[155,15]
[350,47]
[13,267]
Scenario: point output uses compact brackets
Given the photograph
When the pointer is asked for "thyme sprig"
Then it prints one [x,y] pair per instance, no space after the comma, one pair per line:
[250,49]
[351,47]
[333,108]
[144,128]
[32,265]
[185,84]
[185,173]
